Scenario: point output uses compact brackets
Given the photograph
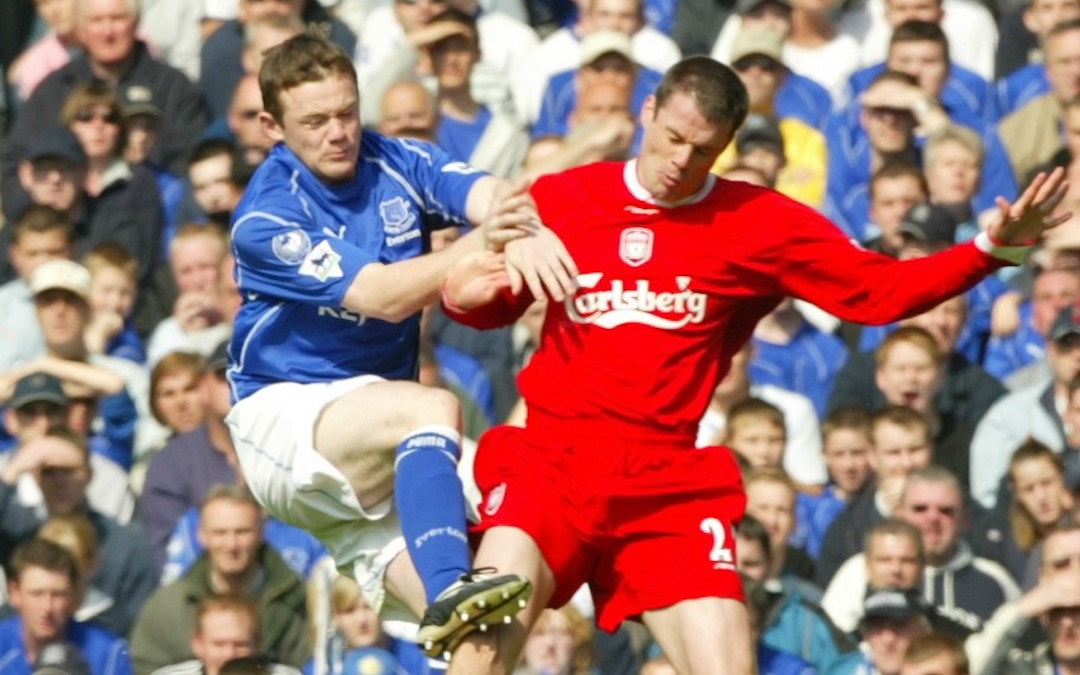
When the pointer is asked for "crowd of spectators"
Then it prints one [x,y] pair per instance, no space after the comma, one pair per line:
[912,488]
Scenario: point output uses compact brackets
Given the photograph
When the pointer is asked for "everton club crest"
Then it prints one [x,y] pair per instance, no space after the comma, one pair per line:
[635,246]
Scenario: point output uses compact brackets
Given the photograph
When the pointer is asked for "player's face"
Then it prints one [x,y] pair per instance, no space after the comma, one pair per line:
[359,625]
[953,178]
[678,148]
[934,508]
[232,533]
[321,124]
[1039,487]
[909,376]
[892,561]
[180,400]
[899,450]
[223,636]
[773,504]
[847,457]
[759,441]
[44,600]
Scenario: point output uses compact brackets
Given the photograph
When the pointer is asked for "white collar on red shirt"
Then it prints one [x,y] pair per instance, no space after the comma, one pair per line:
[640,192]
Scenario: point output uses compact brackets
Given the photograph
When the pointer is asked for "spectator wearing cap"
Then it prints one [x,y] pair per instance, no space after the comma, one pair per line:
[892,620]
[756,58]
[39,234]
[112,53]
[961,586]
[606,55]
[1031,412]
[40,403]
[561,51]
[60,462]
[44,588]
[799,96]
[181,473]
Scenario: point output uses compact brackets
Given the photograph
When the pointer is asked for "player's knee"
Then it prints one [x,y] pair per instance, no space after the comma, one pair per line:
[437,406]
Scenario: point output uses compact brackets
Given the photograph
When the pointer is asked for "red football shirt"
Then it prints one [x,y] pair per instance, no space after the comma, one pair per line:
[669,293]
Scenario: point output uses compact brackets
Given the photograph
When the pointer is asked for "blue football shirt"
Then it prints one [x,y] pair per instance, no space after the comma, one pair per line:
[299,244]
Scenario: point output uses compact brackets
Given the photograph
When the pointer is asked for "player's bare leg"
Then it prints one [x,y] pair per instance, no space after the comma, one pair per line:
[402,438]
[700,633]
[497,651]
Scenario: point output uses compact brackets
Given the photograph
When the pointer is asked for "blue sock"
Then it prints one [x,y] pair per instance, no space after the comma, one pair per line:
[430,503]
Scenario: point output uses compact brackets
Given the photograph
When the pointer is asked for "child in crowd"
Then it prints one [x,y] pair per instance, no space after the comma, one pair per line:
[846,445]
[770,498]
[113,284]
[756,432]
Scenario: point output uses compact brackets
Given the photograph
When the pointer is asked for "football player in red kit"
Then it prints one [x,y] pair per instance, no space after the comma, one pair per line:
[603,485]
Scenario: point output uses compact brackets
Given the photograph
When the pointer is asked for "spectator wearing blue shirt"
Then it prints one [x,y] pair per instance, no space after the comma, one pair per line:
[845,445]
[1030,81]
[43,589]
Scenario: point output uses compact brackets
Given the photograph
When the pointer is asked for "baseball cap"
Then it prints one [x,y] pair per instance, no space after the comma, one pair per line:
[369,661]
[1066,323]
[743,7]
[929,224]
[56,143]
[759,131]
[38,387]
[65,274]
[895,604]
[61,658]
[757,41]
[596,44]
[138,100]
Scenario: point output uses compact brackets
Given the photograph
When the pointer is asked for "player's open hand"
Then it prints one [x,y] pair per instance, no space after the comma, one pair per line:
[542,263]
[1024,221]
[475,280]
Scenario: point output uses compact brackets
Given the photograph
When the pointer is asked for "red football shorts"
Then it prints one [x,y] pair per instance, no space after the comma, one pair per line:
[646,525]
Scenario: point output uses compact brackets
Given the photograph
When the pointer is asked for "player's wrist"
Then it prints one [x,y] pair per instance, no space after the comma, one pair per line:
[1014,254]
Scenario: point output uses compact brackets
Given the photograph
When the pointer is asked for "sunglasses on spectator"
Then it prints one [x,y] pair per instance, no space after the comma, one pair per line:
[88,115]
[761,61]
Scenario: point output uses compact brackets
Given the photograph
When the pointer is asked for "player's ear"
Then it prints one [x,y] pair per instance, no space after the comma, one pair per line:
[648,110]
[271,127]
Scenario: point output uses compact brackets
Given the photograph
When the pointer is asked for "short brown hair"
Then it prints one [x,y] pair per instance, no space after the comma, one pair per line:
[901,416]
[926,647]
[110,254]
[851,417]
[235,604]
[302,58]
[40,218]
[46,555]
[718,92]
[912,335]
[897,528]
[757,409]
[898,168]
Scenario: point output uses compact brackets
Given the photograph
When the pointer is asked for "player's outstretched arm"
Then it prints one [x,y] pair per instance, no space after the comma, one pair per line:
[1022,222]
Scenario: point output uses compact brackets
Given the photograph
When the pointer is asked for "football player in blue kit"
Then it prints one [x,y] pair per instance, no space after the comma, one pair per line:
[331,430]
